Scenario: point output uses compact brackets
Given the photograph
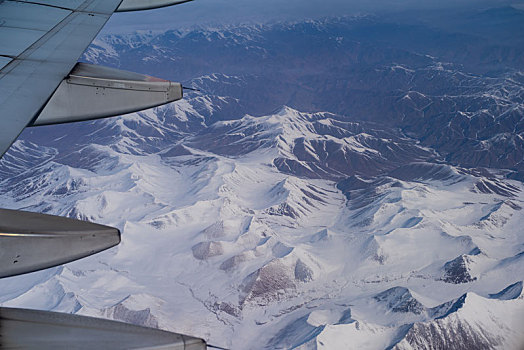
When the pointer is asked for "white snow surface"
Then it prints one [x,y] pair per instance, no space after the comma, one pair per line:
[230,249]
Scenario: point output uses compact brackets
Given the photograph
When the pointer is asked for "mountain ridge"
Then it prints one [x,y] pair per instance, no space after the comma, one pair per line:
[280,225]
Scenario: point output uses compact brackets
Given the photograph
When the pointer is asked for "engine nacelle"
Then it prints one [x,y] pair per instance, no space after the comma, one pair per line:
[92,92]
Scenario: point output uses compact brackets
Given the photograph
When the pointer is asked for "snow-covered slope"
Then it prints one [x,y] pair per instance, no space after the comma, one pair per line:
[288,228]
[219,241]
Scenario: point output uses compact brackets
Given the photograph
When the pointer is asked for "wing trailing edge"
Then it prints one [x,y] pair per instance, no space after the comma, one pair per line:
[91,92]
[33,241]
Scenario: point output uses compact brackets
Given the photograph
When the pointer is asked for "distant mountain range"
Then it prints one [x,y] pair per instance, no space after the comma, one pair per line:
[341,183]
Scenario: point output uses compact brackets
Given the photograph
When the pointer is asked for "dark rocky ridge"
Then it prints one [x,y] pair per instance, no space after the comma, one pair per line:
[457,271]
[416,78]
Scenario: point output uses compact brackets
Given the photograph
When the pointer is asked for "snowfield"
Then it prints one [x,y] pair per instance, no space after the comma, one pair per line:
[229,248]
[290,229]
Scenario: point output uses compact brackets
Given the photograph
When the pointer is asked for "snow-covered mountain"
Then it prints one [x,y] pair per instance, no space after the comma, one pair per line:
[287,228]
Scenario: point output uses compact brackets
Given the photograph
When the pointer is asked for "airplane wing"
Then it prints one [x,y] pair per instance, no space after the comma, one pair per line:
[41,83]
[40,43]
[34,329]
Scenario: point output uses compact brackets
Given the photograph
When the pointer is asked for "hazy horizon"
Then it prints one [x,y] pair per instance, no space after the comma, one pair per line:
[221,12]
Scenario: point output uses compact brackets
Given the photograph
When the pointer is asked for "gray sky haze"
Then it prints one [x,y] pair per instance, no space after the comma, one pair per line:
[221,12]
